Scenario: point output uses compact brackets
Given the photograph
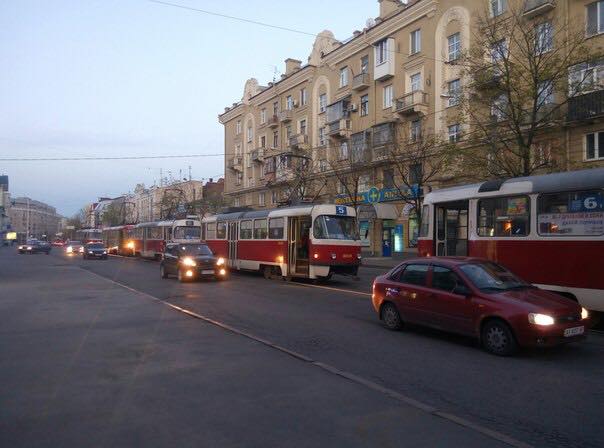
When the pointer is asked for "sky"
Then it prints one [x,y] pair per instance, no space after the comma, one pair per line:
[132,77]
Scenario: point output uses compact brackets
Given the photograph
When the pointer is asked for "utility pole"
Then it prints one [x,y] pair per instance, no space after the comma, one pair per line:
[190,172]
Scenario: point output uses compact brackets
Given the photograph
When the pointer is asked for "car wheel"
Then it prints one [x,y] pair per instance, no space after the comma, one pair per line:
[162,271]
[391,317]
[498,339]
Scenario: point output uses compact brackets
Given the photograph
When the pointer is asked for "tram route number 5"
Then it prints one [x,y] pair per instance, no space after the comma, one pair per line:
[340,210]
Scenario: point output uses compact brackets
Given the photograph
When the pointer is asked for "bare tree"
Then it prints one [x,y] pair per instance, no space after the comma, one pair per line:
[349,163]
[516,88]
[171,202]
[113,215]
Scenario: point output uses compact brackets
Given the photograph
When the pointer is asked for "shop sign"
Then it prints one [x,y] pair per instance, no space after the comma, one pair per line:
[375,195]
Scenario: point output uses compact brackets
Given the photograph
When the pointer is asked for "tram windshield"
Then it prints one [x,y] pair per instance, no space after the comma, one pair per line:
[187,233]
[335,227]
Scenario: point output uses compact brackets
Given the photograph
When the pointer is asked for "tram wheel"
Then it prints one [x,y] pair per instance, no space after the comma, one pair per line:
[267,272]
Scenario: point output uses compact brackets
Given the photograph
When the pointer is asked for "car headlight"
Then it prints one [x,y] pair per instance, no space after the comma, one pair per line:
[220,261]
[91,252]
[104,252]
[540,319]
[69,249]
[584,313]
[81,249]
[188,261]
[20,247]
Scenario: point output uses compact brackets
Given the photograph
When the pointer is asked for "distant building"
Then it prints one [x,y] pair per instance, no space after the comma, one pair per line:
[165,201]
[31,218]
[5,224]
[213,189]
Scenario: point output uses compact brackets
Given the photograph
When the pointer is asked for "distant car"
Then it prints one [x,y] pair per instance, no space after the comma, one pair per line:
[95,250]
[35,247]
[191,261]
[478,298]
[74,247]
[58,243]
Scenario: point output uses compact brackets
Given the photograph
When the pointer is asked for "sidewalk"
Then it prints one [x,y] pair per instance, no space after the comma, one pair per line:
[388,262]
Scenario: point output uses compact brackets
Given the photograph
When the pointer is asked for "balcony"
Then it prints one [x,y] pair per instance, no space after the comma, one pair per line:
[235,164]
[533,8]
[413,103]
[284,174]
[360,82]
[273,121]
[286,116]
[380,154]
[258,155]
[339,129]
[586,107]
[299,141]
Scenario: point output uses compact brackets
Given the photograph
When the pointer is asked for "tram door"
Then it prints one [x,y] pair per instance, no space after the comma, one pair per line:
[452,228]
[299,235]
[233,236]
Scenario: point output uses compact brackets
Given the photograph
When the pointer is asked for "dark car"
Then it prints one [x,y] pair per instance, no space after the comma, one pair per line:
[35,247]
[95,250]
[478,298]
[192,261]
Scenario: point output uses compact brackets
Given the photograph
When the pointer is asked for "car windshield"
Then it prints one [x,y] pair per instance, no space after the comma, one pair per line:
[492,277]
[336,227]
[95,246]
[195,249]
[187,233]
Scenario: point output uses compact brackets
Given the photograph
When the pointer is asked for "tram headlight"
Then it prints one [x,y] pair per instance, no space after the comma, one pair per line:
[220,261]
[540,319]
[584,313]
[130,245]
[188,261]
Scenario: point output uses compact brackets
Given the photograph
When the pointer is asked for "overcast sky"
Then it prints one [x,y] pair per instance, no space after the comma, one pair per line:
[131,77]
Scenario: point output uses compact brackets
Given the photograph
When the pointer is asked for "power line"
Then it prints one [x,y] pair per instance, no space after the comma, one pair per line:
[71,159]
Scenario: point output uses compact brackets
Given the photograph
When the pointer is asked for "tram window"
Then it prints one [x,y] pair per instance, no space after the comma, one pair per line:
[154,233]
[220,230]
[508,216]
[260,229]
[275,228]
[211,231]
[245,230]
[577,213]
[425,221]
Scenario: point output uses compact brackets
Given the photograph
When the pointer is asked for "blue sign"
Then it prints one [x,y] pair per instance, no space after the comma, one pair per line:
[341,210]
[587,202]
[375,195]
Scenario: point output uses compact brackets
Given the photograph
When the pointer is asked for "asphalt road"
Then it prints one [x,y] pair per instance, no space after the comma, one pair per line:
[543,398]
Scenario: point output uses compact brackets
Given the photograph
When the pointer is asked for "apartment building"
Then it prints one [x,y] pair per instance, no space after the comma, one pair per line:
[31,218]
[5,224]
[397,76]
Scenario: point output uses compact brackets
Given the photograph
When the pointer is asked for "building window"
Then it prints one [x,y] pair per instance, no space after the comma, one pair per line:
[545,93]
[416,172]
[586,77]
[416,82]
[454,133]
[388,96]
[543,38]
[342,185]
[322,136]
[594,146]
[275,139]
[322,165]
[498,7]
[416,41]
[303,127]
[322,102]
[263,141]
[275,108]
[288,131]
[239,179]
[250,134]
[595,18]
[364,183]
[382,53]
[238,127]
[343,76]
[499,50]
[499,107]
[263,116]
[343,150]
[289,103]
[454,46]
[454,90]
[365,64]
[303,97]
[364,105]
[237,150]
[388,178]
[416,130]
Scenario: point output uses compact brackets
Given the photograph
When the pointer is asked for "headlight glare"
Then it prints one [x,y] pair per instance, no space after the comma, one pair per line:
[220,261]
[188,261]
[584,313]
[540,319]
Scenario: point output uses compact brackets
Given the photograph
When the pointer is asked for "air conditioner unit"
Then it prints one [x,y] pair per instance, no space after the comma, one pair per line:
[353,107]
[296,104]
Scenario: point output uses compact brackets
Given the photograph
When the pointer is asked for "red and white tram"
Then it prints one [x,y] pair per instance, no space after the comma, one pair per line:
[549,229]
[308,241]
[149,239]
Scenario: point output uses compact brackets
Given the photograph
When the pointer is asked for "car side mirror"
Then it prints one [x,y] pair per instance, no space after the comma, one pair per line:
[462,290]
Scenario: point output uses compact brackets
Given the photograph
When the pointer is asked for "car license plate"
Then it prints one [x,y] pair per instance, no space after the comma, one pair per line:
[574,331]
[207,271]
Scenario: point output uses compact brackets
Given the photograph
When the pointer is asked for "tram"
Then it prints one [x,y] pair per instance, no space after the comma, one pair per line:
[549,229]
[306,241]
[149,239]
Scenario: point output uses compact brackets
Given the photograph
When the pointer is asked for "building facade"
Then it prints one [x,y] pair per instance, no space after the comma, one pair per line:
[35,219]
[397,76]
[5,225]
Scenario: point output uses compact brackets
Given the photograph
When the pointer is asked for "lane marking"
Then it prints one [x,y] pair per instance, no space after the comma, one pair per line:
[431,410]
[351,291]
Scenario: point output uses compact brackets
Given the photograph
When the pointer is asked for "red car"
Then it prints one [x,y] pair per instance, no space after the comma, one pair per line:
[478,298]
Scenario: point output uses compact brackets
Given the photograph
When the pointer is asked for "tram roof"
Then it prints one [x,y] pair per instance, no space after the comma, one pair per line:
[546,183]
[293,210]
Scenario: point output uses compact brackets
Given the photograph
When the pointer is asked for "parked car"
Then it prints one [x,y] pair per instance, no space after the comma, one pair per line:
[192,261]
[95,250]
[58,243]
[74,247]
[478,298]
[35,247]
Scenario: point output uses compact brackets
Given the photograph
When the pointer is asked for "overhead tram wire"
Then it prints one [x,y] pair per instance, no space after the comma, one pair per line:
[270,25]
[70,159]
